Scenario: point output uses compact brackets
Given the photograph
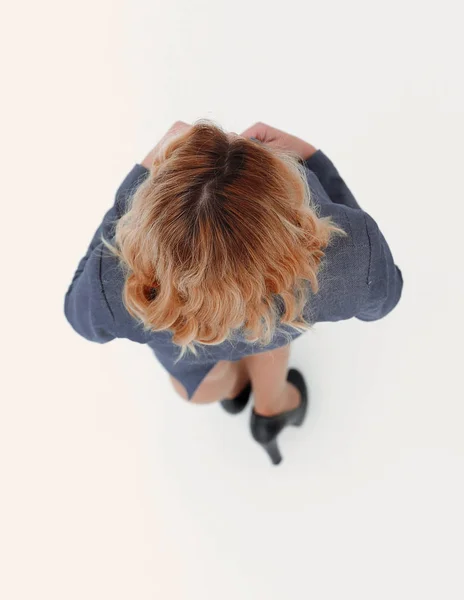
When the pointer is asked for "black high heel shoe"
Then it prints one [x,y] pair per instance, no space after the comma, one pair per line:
[237,404]
[266,429]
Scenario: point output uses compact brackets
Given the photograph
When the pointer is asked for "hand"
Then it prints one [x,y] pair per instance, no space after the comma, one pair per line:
[179,127]
[279,139]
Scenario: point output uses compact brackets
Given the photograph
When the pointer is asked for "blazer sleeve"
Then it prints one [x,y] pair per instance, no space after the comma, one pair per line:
[85,306]
[330,179]
[384,281]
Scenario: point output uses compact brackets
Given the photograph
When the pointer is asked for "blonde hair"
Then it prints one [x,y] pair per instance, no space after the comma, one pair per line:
[219,233]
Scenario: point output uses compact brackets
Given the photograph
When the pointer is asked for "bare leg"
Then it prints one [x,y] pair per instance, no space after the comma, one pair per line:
[226,380]
[268,373]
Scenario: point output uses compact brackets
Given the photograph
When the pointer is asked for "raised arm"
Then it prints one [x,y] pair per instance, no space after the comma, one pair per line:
[315,160]
[330,179]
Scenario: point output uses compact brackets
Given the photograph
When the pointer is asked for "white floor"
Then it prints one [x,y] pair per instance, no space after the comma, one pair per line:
[111,487]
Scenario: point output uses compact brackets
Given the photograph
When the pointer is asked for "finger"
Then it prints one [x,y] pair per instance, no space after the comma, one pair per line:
[260,131]
[176,129]
[179,126]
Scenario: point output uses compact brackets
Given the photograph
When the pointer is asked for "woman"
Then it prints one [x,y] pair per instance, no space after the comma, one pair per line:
[221,249]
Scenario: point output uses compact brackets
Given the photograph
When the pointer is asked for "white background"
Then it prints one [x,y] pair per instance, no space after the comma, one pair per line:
[112,487]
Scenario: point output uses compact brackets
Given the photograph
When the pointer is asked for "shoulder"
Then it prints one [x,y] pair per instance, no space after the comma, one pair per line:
[136,176]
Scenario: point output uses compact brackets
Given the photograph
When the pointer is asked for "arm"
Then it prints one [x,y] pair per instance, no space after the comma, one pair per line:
[384,281]
[315,160]
[330,179]
[384,278]
[86,307]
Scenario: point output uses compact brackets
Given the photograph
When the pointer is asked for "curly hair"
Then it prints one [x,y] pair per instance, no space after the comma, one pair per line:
[220,232]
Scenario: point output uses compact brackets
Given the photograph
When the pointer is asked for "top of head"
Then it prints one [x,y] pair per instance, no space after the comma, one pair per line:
[221,226]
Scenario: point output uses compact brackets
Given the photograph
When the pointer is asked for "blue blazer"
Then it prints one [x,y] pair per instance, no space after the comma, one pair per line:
[358,278]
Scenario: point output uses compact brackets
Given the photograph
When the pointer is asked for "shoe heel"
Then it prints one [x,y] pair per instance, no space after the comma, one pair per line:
[299,421]
[273,451]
